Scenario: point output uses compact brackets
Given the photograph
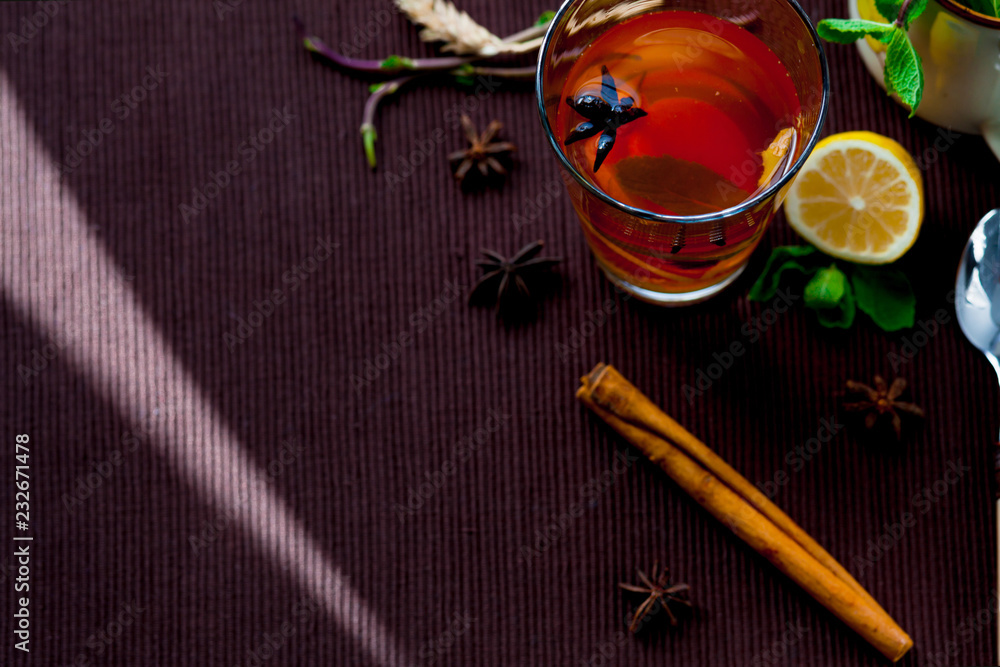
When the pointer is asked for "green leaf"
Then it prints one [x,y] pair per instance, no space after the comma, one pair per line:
[988,7]
[904,74]
[544,18]
[375,87]
[845,31]
[464,74]
[916,8]
[889,9]
[841,317]
[396,62]
[782,258]
[886,296]
[826,288]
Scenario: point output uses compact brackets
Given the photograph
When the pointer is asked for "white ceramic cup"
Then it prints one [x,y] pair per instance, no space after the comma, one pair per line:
[960,50]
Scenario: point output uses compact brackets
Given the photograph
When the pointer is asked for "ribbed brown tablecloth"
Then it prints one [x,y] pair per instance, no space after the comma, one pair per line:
[266,428]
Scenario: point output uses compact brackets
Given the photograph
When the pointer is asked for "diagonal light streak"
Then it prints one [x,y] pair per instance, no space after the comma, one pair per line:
[57,273]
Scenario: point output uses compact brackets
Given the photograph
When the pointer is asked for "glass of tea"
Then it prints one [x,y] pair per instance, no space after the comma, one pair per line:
[679,125]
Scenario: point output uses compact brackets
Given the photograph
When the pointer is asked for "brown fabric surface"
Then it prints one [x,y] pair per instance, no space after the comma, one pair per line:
[361,451]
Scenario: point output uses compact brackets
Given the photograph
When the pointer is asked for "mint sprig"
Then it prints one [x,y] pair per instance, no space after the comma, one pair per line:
[835,291]
[904,73]
[783,258]
[829,294]
[846,31]
[885,296]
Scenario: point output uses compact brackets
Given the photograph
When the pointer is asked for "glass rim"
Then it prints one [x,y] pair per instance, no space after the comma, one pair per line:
[969,14]
[645,214]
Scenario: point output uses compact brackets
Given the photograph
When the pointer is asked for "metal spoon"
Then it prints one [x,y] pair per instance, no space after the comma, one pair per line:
[977,303]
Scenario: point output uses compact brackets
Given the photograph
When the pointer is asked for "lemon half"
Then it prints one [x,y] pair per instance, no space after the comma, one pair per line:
[859,197]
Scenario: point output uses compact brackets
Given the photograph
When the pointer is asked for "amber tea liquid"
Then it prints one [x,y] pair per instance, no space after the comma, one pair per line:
[716,99]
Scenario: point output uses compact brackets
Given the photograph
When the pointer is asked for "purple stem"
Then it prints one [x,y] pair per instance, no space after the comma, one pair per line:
[374,67]
[503,72]
[899,22]
[368,133]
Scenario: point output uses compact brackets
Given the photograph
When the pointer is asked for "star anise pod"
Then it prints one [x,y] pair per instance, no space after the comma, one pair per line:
[882,400]
[604,114]
[506,280]
[483,151]
[660,595]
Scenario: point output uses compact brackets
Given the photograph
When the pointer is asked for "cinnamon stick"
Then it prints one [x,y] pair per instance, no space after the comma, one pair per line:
[614,393]
[733,500]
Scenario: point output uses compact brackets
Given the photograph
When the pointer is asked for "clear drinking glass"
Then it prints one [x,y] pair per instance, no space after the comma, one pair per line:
[681,259]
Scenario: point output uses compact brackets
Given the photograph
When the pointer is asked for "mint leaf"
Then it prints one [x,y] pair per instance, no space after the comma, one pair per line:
[826,288]
[845,31]
[916,8]
[903,72]
[886,296]
[842,316]
[781,259]
[988,7]
[544,18]
[889,9]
